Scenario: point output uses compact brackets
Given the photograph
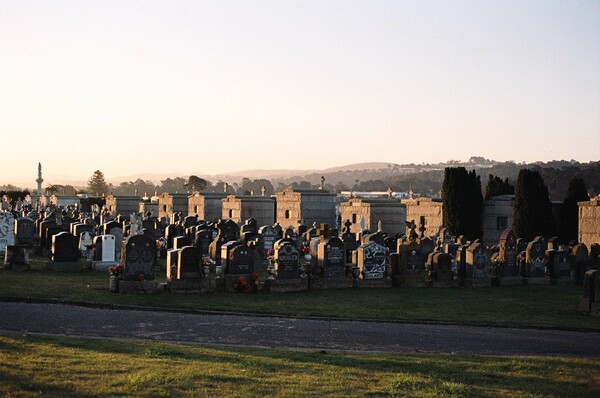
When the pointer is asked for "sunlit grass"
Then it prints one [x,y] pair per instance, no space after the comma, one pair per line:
[61,367]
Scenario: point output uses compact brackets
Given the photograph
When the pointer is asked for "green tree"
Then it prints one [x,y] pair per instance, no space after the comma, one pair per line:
[462,202]
[97,184]
[569,213]
[496,186]
[532,212]
[195,183]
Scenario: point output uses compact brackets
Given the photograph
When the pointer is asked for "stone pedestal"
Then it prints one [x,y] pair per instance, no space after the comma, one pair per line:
[16,258]
[103,266]
[138,286]
[417,279]
[286,285]
[510,280]
[338,282]
[70,266]
[201,285]
[374,283]
[542,280]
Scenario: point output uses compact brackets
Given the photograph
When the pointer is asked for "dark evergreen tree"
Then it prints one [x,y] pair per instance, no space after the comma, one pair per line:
[462,202]
[497,186]
[532,212]
[569,214]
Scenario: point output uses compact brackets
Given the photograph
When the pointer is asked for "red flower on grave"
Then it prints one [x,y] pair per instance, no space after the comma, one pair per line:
[241,285]
[117,270]
[306,249]
[140,277]
[255,278]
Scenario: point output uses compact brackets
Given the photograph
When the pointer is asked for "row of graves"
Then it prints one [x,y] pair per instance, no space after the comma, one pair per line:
[223,256]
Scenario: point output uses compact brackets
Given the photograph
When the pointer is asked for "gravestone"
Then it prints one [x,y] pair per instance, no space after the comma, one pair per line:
[16,258]
[536,262]
[331,265]
[478,266]
[580,261]
[507,259]
[104,253]
[7,230]
[138,258]
[287,268]
[64,253]
[181,241]
[371,260]
[563,272]
[409,270]
[188,275]
[240,269]
[227,231]
[85,243]
[225,251]
[202,240]
[268,235]
[171,232]
[439,267]
[24,231]
[589,304]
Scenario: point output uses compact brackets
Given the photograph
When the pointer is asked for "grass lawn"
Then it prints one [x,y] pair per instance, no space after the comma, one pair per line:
[550,305]
[62,367]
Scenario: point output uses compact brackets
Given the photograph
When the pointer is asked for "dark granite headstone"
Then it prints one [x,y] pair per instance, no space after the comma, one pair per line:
[138,257]
[188,263]
[371,259]
[241,261]
[24,231]
[332,257]
[286,260]
[65,247]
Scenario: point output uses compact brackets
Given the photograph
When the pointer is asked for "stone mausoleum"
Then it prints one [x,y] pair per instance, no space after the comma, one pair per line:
[123,204]
[589,222]
[308,206]
[390,212]
[496,217]
[239,208]
[207,205]
[425,211]
[170,203]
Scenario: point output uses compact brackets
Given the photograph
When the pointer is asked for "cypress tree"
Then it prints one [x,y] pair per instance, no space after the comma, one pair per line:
[462,202]
[496,186]
[532,212]
[569,214]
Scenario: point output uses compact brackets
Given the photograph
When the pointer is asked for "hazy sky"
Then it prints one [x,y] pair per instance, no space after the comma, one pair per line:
[194,87]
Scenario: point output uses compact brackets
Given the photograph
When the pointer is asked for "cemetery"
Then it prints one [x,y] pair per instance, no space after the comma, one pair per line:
[370,261]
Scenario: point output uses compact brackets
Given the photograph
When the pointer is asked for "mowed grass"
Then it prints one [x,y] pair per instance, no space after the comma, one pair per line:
[62,367]
[549,305]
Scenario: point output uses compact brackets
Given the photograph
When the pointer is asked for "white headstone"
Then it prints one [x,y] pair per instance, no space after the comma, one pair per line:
[108,247]
[7,230]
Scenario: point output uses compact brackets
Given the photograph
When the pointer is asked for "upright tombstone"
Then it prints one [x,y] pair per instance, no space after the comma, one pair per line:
[181,241]
[65,253]
[507,259]
[240,273]
[563,273]
[138,258]
[104,253]
[117,232]
[268,235]
[225,250]
[589,304]
[580,261]
[24,231]
[409,270]
[227,231]
[439,267]
[16,258]
[85,244]
[331,262]
[478,266]
[7,230]
[202,240]
[535,260]
[189,275]
[370,259]
[287,268]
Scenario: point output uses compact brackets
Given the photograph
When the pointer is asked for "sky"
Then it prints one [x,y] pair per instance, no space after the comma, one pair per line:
[209,87]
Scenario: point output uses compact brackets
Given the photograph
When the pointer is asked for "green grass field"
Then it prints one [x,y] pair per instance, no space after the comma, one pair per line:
[62,367]
[548,306]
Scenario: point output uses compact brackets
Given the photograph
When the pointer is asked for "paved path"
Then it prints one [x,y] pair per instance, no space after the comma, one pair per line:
[69,320]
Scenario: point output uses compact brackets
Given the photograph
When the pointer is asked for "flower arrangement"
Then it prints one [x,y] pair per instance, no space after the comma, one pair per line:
[115,271]
[270,254]
[241,285]
[255,278]
[207,262]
